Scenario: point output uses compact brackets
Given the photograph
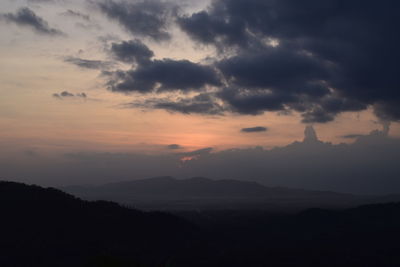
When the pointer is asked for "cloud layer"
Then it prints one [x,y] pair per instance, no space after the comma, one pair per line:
[315,58]
[318,59]
[66,95]
[89,64]
[368,166]
[142,18]
[25,17]
[155,75]
[256,129]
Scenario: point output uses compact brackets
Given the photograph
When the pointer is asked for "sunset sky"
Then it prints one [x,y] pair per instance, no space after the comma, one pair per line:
[157,77]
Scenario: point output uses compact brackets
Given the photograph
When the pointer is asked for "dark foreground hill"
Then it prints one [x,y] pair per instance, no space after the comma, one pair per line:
[364,236]
[46,227]
[168,193]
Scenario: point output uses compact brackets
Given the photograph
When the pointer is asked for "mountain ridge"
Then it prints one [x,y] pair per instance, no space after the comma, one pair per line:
[200,191]
[227,186]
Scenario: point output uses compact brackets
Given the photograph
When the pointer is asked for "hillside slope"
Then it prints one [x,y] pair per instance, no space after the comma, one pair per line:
[47,227]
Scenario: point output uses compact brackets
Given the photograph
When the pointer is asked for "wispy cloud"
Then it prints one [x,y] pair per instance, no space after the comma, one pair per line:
[25,17]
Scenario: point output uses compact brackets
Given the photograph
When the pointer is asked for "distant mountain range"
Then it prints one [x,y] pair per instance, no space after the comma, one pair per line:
[165,193]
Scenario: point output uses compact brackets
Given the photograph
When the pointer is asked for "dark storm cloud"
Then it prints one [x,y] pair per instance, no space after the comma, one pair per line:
[189,106]
[132,51]
[317,114]
[153,75]
[27,18]
[200,104]
[326,108]
[211,29]
[89,64]
[141,18]
[388,110]
[256,129]
[163,75]
[254,102]
[300,55]
[277,69]
[66,94]
[273,79]
[174,146]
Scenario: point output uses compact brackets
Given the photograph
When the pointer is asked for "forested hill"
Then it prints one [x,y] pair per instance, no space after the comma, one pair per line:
[47,227]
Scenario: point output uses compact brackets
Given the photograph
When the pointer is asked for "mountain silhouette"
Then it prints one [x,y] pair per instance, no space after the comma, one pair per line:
[199,192]
[47,227]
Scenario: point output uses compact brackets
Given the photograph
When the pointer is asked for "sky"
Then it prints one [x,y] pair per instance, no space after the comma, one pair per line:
[170,78]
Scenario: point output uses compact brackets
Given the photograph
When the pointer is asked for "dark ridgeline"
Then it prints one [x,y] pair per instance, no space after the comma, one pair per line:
[168,193]
[197,187]
[199,193]
[46,227]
